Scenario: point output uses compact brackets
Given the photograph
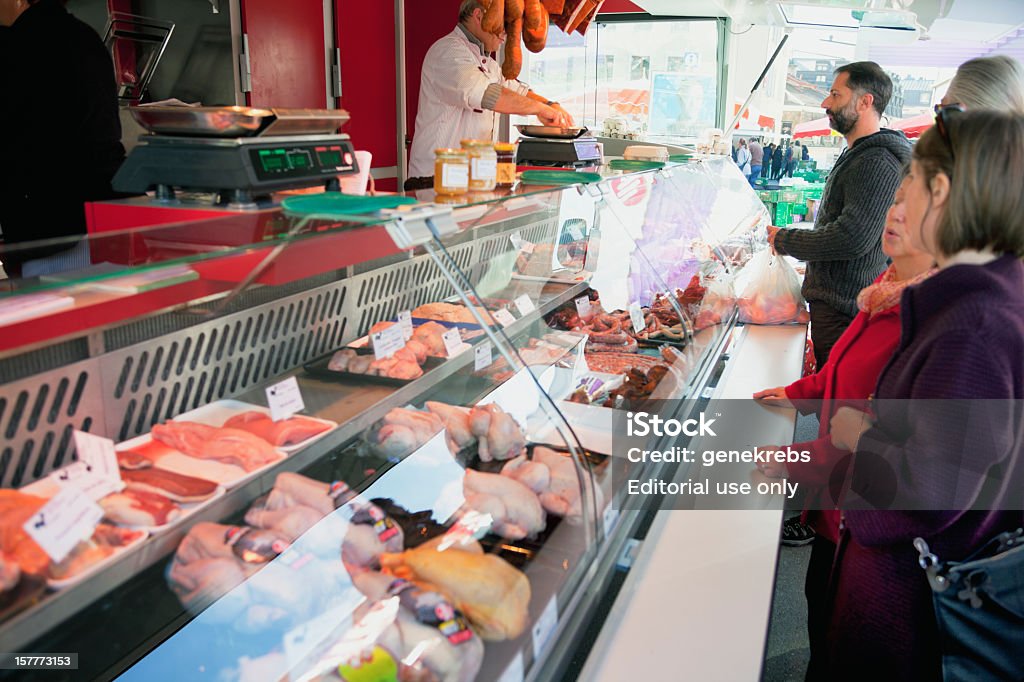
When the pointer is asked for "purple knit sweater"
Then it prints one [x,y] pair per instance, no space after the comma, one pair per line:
[962,338]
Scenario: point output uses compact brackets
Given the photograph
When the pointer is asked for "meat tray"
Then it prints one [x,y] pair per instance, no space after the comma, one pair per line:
[318,369]
[218,412]
[364,341]
[56,584]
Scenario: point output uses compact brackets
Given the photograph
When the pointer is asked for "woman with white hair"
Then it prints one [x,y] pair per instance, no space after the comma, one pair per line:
[987,83]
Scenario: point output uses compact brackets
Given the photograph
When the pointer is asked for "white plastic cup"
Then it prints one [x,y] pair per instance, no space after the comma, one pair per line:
[356,184]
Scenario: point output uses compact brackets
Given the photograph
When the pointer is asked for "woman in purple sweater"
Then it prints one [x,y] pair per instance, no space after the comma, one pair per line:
[962,347]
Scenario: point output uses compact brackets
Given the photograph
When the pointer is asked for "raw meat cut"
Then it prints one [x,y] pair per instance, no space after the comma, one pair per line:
[619,363]
[456,424]
[340,360]
[131,461]
[499,434]
[231,446]
[15,509]
[280,433]
[105,540]
[292,490]
[139,508]
[491,592]
[10,574]
[178,487]
[514,509]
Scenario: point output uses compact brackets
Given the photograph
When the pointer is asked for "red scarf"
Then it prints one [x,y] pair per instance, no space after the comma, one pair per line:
[886,292]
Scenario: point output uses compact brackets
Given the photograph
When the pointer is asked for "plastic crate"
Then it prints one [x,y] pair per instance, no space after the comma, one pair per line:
[813,192]
[790,196]
[799,209]
[768,195]
[783,213]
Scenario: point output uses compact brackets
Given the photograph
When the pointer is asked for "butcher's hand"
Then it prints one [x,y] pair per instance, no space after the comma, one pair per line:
[847,426]
[567,121]
[772,231]
[554,116]
[774,396]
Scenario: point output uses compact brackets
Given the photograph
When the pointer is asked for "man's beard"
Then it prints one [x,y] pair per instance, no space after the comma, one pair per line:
[843,120]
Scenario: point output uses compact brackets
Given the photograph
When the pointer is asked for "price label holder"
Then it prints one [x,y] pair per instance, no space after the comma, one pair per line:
[515,672]
[483,357]
[387,341]
[544,628]
[98,452]
[504,317]
[610,518]
[417,225]
[67,519]
[82,477]
[405,322]
[524,305]
[636,316]
[574,231]
[453,344]
[583,307]
[284,399]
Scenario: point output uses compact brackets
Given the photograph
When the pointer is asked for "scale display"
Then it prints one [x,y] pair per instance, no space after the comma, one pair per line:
[300,161]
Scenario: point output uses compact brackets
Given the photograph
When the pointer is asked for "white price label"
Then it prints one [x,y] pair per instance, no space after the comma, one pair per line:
[453,342]
[610,518]
[83,478]
[636,315]
[405,322]
[574,231]
[544,627]
[515,672]
[67,519]
[504,317]
[520,244]
[483,358]
[98,452]
[387,341]
[455,176]
[484,169]
[583,307]
[524,305]
[285,399]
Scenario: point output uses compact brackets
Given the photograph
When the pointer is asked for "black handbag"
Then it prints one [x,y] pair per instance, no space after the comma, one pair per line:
[979,606]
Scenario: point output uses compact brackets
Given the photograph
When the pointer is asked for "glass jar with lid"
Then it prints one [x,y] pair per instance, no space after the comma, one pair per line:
[506,153]
[451,171]
[483,165]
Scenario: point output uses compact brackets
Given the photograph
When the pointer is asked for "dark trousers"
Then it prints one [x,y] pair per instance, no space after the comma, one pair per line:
[755,173]
[819,568]
[827,325]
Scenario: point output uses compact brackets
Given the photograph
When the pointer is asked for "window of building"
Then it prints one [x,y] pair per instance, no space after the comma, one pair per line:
[639,68]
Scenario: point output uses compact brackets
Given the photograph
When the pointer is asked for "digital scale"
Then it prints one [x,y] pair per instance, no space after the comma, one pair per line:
[557,148]
[243,155]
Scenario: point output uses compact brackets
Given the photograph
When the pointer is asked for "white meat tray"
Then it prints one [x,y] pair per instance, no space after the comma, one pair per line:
[219,411]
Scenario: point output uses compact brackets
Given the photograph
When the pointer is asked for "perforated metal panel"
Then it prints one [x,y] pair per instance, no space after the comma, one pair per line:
[163,366]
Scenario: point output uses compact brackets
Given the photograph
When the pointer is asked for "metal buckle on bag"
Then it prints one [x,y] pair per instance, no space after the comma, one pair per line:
[931,565]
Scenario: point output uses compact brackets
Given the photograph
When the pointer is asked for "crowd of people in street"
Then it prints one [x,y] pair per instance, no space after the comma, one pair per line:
[771,162]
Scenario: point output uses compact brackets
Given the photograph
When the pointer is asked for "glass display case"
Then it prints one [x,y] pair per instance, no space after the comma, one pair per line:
[351,445]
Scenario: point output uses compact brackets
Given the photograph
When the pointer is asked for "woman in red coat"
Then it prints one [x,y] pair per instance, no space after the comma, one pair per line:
[850,373]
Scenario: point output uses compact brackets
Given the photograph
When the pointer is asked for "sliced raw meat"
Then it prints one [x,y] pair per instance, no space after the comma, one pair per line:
[175,486]
[231,446]
[137,456]
[620,363]
[285,432]
[130,460]
[15,509]
[139,508]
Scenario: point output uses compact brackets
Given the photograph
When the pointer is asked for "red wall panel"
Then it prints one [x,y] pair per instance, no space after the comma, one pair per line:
[617,6]
[425,22]
[286,52]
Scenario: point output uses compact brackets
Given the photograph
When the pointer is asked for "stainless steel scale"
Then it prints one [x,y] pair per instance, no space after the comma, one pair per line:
[557,147]
[242,154]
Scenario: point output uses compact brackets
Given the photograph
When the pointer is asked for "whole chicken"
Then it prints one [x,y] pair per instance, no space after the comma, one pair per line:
[553,476]
[514,509]
[499,434]
[456,424]
[429,334]
[403,430]
[492,593]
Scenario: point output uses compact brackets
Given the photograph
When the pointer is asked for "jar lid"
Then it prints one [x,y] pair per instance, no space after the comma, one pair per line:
[448,151]
[504,147]
[476,143]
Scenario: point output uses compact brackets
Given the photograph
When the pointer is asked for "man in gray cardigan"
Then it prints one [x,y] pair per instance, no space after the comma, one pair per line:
[844,250]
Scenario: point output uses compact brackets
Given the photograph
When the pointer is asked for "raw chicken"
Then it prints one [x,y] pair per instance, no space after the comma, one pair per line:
[456,424]
[231,446]
[280,433]
[429,334]
[371,533]
[215,541]
[429,633]
[360,364]
[500,436]
[418,349]
[292,490]
[339,361]
[491,592]
[404,430]
[406,370]
[201,582]
[514,509]
[553,476]
[290,522]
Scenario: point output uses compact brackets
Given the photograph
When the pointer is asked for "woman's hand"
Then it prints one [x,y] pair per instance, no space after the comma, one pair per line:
[772,469]
[774,396]
[847,426]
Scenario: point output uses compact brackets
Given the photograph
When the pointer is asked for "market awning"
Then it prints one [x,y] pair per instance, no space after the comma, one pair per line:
[815,128]
[915,125]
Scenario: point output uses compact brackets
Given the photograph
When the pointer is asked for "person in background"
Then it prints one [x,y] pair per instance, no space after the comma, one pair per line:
[59,155]
[743,158]
[850,373]
[766,169]
[777,163]
[987,83]
[790,160]
[805,155]
[463,92]
[962,339]
[843,252]
[756,161]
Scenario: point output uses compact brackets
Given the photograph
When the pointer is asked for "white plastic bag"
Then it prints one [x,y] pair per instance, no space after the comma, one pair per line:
[772,292]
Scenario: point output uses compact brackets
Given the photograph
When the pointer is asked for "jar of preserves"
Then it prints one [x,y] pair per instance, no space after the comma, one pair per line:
[506,153]
[483,165]
[451,171]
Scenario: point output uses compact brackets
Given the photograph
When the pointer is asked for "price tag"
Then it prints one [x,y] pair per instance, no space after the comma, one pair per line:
[284,399]
[483,358]
[524,305]
[515,672]
[610,518]
[583,307]
[453,342]
[521,244]
[82,477]
[544,627]
[67,519]
[98,452]
[636,315]
[574,230]
[387,341]
[504,317]
[405,322]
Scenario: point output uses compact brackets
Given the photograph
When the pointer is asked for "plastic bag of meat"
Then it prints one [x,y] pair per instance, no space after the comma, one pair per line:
[717,304]
[771,294]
